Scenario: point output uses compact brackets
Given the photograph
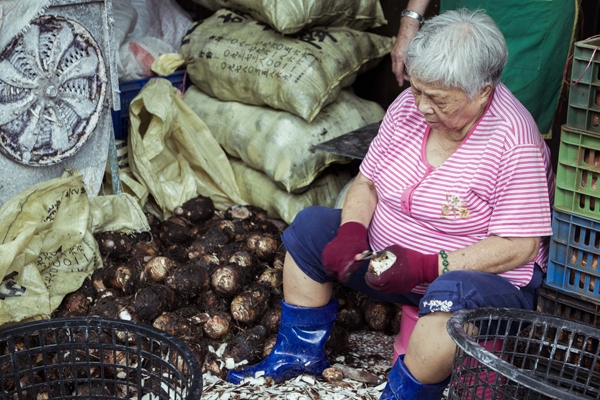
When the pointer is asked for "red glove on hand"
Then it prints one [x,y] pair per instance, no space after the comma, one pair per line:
[338,256]
[409,269]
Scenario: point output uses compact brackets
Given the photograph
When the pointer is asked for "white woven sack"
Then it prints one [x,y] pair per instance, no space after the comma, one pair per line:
[291,16]
[279,143]
[234,58]
[256,188]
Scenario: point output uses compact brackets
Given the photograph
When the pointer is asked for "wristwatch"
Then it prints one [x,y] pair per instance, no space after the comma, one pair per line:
[412,14]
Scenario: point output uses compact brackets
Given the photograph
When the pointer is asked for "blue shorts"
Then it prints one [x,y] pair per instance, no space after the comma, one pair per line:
[316,226]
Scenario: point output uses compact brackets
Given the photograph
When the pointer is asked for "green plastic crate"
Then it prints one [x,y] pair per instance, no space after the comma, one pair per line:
[577,186]
[584,97]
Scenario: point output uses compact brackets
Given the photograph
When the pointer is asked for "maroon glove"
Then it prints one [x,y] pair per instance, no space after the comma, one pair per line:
[338,256]
[410,269]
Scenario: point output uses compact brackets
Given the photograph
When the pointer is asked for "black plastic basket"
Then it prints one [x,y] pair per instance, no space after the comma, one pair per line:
[518,354]
[95,358]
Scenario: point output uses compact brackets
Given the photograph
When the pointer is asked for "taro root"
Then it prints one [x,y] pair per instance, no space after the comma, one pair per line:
[176,230]
[113,244]
[189,279]
[122,277]
[157,269]
[279,259]
[151,301]
[201,249]
[174,324]
[269,345]
[218,325]
[109,306]
[264,246]
[227,280]
[377,314]
[28,383]
[245,212]
[271,320]
[211,241]
[211,301]
[197,209]
[229,249]
[144,251]
[271,278]
[98,280]
[76,304]
[247,345]
[177,252]
[396,317]
[198,349]
[118,363]
[228,227]
[248,306]
[350,318]
[338,340]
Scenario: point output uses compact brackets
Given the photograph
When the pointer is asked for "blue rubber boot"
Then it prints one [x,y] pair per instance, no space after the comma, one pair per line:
[300,345]
[403,386]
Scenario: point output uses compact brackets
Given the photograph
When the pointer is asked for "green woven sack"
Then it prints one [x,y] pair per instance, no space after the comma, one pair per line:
[234,58]
[279,143]
[291,16]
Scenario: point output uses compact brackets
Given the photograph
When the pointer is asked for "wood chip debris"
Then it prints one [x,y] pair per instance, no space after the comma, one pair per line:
[369,358]
[370,354]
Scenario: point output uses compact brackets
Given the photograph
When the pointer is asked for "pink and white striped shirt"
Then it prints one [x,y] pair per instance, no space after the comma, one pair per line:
[498,182]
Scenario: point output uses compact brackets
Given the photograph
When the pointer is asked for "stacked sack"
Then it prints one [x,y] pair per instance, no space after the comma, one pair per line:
[273,80]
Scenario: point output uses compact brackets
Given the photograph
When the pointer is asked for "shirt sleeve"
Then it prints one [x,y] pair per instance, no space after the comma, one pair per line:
[521,199]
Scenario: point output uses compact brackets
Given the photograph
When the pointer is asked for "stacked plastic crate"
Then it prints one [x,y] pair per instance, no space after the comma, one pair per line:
[572,285]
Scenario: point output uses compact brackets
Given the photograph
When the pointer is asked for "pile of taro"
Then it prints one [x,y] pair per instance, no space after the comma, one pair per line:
[210,277]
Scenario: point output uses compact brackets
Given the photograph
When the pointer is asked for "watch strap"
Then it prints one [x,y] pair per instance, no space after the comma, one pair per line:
[412,14]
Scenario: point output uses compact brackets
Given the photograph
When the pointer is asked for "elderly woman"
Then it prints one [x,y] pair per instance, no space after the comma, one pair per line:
[456,185]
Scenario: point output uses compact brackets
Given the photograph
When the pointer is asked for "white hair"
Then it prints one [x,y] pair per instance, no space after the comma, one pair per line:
[459,49]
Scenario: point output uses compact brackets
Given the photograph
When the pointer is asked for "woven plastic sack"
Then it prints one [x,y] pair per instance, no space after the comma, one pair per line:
[172,152]
[235,58]
[279,143]
[257,189]
[47,247]
[291,16]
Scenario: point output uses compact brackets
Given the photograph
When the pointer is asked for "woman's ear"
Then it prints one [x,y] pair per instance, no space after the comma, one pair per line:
[485,93]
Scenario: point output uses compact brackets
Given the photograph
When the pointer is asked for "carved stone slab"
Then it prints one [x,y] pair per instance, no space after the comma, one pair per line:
[57,85]
[52,89]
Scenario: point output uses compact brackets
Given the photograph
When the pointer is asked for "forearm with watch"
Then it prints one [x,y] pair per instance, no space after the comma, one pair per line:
[415,10]
[410,22]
